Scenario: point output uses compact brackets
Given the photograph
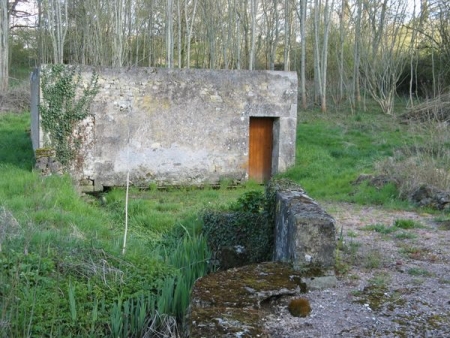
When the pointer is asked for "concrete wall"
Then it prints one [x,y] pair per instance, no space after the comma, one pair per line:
[183,126]
[35,130]
[304,233]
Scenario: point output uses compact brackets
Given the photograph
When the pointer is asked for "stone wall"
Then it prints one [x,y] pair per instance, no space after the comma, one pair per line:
[304,233]
[183,126]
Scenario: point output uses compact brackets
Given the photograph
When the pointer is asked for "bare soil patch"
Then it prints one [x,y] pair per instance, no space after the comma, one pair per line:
[394,282]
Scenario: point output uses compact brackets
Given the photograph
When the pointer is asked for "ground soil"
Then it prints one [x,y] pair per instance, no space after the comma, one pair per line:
[389,284]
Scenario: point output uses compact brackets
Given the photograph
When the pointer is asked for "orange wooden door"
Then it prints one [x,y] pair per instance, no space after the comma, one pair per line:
[260,148]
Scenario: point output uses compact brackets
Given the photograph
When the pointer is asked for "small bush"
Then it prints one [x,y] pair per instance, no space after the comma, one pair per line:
[16,99]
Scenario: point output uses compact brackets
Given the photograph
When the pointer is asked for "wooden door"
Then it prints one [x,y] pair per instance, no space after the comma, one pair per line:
[260,148]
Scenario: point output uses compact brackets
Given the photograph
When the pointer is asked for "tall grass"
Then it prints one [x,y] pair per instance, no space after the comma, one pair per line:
[62,272]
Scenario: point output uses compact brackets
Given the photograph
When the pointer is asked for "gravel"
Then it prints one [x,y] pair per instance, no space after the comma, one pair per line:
[392,282]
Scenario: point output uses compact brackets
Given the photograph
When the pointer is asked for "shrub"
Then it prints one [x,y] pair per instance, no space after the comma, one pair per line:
[229,229]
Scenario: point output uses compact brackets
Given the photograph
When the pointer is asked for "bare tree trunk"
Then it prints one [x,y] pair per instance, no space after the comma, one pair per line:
[238,37]
[169,33]
[342,20]
[302,18]
[356,54]
[179,33]
[117,50]
[4,47]
[287,34]
[189,31]
[57,27]
[324,58]
[253,36]
[317,57]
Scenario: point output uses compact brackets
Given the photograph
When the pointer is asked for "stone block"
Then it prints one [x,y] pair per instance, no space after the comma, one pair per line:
[304,233]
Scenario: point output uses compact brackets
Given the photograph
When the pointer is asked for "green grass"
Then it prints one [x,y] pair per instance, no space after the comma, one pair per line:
[332,151]
[380,228]
[407,224]
[419,272]
[61,253]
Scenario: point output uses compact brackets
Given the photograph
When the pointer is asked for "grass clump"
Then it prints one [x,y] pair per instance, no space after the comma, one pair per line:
[380,228]
[407,224]
[405,235]
[419,272]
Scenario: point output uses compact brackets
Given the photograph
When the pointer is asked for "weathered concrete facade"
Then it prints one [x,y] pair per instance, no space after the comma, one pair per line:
[182,126]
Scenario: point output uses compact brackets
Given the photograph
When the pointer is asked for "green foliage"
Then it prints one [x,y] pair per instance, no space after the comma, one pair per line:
[252,201]
[380,228]
[407,224]
[245,223]
[419,272]
[65,102]
[60,252]
[250,230]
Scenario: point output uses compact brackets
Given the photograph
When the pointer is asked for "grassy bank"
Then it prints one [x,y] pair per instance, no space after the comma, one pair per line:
[62,271]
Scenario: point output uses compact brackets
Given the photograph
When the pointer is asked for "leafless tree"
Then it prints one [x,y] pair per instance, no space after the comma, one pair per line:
[4,46]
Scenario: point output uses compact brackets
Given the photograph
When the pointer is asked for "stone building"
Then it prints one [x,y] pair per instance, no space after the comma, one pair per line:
[183,126]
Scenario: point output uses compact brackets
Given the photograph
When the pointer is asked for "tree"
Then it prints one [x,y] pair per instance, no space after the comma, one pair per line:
[253,8]
[384,53]
[321,50]
[4,47]
[56,14]
[301,14]
[189,27]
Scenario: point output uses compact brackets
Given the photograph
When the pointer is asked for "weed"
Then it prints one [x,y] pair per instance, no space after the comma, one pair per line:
[444,281]
[381,280]
[407,224]
[405,235]
[352,234]
[380,228]
[414,252]
[373,259]
[419,272]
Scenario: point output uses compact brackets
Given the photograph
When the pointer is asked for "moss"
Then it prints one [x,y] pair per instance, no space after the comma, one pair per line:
[299,307]
[225,320]
[235,298]
[44,152]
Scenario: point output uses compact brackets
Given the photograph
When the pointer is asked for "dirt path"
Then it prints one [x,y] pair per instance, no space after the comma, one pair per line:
[393,283]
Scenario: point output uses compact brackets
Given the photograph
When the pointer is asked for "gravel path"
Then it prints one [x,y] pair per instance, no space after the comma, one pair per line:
[392,283]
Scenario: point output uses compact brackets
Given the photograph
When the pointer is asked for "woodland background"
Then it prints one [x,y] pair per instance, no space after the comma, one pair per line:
[343,50]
